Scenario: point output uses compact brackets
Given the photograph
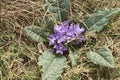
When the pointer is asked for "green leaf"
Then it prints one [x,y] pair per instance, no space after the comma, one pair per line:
[46,22]
[37,34]
[97,21]
[52,65]
[73,57]
[102,57]
[59,9]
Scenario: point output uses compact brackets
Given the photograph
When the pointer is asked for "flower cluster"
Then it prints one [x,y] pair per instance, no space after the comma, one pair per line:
[65,33]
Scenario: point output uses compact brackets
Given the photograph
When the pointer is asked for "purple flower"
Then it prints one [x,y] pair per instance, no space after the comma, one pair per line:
[60,48]
[52,39]
[66,23]
[66,33]
[61,29]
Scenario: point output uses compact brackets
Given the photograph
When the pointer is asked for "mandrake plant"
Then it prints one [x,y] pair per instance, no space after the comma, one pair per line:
[62,35]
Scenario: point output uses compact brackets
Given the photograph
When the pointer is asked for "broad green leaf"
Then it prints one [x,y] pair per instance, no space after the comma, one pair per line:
[52,65]
[47,23]
[97,21]
[58,9]
[102,57]
[73,57]
[37,34]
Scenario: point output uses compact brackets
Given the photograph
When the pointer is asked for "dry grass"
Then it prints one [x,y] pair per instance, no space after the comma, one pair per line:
[18,60]
[19,54]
